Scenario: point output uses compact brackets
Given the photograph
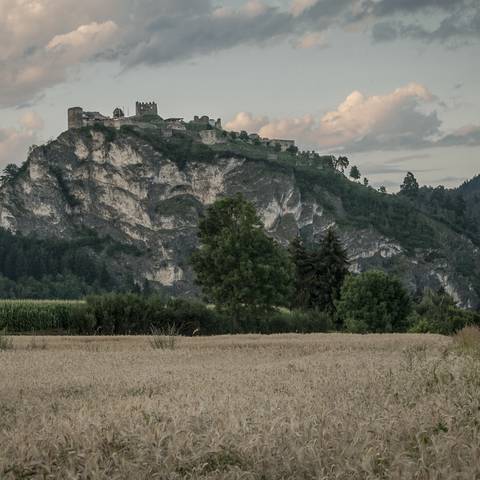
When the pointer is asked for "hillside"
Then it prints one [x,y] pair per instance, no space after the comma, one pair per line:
[132,200]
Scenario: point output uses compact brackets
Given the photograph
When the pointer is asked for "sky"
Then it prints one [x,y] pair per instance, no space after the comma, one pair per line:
[392,84]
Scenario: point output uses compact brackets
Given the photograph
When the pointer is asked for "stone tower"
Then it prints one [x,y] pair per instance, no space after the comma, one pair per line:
[149,108]
[75,117]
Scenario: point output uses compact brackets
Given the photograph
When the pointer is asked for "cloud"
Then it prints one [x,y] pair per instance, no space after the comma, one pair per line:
[299,6]
[245,121]
[14,141]
[465,136]
[360,123]
[32,122]
[88,37]
[312,39]
[42,41]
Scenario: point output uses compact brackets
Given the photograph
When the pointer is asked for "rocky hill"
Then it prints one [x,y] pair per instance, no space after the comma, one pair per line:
[145,193]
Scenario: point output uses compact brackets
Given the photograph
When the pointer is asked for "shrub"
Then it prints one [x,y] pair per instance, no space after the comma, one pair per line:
[295,321]
[437,312]
[374,302]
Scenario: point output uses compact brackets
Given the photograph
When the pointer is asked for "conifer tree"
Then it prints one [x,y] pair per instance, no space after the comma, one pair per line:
[301,260]
[332,266]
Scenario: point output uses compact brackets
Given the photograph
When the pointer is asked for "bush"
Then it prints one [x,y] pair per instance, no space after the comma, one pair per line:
[295,321]
[374,302]
[437,312]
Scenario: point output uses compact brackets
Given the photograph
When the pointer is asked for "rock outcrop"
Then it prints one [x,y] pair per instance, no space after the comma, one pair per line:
[128,189]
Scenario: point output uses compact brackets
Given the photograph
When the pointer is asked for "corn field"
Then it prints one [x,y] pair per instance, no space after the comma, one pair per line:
[18,316]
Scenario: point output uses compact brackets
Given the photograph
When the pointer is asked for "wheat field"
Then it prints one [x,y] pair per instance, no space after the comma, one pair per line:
[240,407]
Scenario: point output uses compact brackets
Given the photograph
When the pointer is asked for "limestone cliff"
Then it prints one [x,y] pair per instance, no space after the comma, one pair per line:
[125,187]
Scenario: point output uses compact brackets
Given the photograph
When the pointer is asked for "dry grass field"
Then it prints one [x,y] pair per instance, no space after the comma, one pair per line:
[240,407]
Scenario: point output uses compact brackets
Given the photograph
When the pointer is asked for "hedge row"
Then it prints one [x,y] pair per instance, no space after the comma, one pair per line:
[123,314]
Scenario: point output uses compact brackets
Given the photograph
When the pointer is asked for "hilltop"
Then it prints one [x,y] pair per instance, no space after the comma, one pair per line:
[129,199]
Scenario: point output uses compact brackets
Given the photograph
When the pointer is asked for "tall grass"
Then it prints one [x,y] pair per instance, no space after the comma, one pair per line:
[164,338]
[331,407]
[6,342]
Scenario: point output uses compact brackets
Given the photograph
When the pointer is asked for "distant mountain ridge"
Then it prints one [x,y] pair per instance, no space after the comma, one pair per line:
[146,194]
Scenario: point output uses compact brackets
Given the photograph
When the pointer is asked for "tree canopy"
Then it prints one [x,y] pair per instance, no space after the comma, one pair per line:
[239,268]
[374,302]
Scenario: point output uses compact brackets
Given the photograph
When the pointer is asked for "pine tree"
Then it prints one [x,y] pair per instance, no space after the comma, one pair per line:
[301,260]
[332,264]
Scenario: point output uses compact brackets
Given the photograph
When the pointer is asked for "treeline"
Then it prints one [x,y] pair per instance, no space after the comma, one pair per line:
[247,276]
[40,269]
[453,207]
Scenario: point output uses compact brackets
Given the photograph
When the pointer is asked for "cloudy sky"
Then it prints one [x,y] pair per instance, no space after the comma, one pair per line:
[393,84]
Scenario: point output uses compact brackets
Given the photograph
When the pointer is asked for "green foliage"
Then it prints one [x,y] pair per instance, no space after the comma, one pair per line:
[355,173]
[109,133]
[39,269]
[240,268]
[437,312]
[26,315]
[9,174]
[320,273]
[312,321]
[374,302]
[332,267]
[409,186]
[179,149]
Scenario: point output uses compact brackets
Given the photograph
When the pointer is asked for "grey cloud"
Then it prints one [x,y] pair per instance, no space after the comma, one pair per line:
[471,138]
[155,32]
[461,24]
[389,7]
[407,158]
[407,129]
[181,37]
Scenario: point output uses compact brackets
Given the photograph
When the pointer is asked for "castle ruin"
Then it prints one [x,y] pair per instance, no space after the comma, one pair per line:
[209,131]
[148,108]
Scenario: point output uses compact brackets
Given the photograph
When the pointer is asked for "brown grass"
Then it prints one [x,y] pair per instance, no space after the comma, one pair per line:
[247,407]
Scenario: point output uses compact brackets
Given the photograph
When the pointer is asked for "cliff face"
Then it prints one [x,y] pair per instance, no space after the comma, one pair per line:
[129,190]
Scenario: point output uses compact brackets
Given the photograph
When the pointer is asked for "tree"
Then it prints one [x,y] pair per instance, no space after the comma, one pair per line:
[301,261]
[374,302]
[277,148]
[382,189]
[319,273]
[437,312]
[409,186]
[365,181]
[9,172]
[355,173]
[240,268]
[332,261]
[292,149]
[342,163]
[243,135]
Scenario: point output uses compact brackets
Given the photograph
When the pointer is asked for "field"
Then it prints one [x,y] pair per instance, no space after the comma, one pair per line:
[240,407]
